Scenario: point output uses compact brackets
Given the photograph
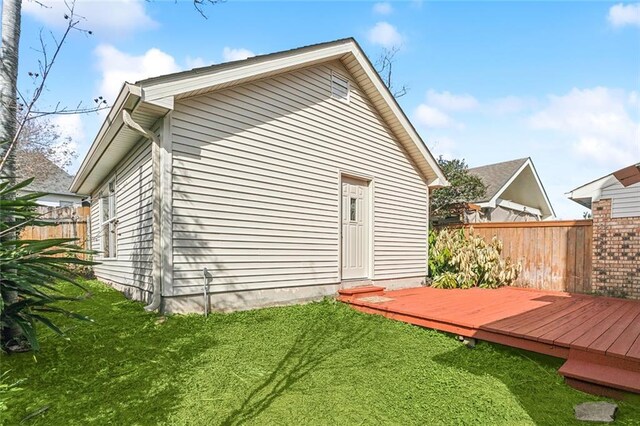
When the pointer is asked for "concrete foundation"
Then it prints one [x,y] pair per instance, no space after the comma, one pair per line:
[252,299]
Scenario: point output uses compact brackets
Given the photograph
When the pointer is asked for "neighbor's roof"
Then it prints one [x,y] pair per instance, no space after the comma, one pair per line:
[591,191]
[149,100]
[495,176]
[48,176]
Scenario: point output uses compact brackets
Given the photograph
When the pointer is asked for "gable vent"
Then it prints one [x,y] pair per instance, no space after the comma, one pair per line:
[339,88]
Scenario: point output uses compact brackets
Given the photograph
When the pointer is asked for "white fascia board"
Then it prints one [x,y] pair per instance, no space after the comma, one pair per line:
[494,201]
[251,70]
[592,190]
[541,187]
[375,79]
[519,207]
[129,93]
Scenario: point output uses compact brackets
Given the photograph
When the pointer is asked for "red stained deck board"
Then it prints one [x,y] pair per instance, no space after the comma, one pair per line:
[550,320]
[603,343]
[601,374]
[626,340]
[566,316]
[634,350]
[532,315]
[567,333]
[601,328]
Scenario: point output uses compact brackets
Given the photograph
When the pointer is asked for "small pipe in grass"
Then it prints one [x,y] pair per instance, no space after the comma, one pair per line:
[205,271]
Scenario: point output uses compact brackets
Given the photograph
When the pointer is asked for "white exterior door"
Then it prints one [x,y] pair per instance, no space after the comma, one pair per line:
[355,229]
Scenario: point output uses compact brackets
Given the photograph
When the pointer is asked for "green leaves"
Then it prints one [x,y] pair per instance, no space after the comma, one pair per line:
[461,260]
[30,270]
[465,188]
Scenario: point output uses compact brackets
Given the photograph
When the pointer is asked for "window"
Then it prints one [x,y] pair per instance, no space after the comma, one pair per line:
[352,209]
[339,88]
[108,220]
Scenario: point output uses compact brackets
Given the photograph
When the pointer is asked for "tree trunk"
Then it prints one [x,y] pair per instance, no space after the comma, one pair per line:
[9,77]
[8,93]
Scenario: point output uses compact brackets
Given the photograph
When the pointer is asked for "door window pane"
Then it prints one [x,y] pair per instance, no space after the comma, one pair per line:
[352,209]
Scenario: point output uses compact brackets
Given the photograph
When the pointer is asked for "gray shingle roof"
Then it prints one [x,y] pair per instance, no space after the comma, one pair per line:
[48,177]
[495,176]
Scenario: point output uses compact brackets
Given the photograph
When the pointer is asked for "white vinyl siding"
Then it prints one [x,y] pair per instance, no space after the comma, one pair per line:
[133,183]
[625,202]
[256,185]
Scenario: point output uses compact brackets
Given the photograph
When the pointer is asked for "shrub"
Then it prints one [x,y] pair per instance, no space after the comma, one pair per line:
[458,260]
[30,271]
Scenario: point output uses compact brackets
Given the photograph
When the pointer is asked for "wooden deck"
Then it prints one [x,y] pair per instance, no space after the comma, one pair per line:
[598,336]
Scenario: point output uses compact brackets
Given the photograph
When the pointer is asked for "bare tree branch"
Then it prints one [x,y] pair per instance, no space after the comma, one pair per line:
[199,5]
[384,66]
[45,65]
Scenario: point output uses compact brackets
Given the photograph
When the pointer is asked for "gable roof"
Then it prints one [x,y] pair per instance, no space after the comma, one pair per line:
[495,176]
[48,177]
[591,191]
[513,181]
[149,100]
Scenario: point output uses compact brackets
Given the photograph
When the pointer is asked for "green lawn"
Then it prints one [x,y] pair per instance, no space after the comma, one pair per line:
[320,363]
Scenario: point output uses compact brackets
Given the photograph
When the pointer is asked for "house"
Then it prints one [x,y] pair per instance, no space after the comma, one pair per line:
[614,201]
[514,194]
[279,178]
[48,178]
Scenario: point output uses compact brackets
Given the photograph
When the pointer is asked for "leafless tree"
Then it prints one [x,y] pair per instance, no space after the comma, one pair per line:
[25,109]
[384,66]
[43,136]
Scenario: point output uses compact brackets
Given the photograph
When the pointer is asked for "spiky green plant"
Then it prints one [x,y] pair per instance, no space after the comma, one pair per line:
[31,269]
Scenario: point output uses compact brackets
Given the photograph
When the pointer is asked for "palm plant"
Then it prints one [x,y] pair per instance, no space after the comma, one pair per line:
[30,270]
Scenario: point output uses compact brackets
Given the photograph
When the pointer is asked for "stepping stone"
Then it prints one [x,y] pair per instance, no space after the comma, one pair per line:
[604,412]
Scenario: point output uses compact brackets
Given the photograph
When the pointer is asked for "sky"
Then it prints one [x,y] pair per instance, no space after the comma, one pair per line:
[487,81]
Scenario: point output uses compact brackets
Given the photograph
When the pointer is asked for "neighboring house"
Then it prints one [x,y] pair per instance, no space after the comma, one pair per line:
[48,177]
[514,194]
[614,201]
[279,178]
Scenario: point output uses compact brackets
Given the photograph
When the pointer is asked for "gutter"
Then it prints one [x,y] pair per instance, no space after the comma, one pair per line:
[156,275]
[128,94]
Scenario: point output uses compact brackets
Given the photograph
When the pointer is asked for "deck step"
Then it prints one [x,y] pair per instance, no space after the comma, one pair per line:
[361,291]
[603,375]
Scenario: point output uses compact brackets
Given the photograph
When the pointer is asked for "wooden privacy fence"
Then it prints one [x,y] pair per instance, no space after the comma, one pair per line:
[65,222]
[555,255]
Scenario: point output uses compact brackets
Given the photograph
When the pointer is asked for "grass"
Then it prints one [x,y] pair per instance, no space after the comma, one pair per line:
[320,363]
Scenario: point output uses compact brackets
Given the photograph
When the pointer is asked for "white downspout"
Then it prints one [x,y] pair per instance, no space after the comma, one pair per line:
[156,274]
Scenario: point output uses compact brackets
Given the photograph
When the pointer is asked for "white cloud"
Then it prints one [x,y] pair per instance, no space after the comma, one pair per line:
[116,67]
[507,105]
[386,35]
[430,117]
[382,8]
[229,54]
[621,15]
[104,18]
[597,122]
[450,102]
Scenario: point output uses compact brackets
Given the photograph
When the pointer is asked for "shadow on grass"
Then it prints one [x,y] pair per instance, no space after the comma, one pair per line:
[323,339]
[530,377]
[109,372]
